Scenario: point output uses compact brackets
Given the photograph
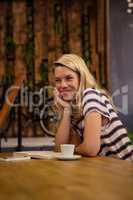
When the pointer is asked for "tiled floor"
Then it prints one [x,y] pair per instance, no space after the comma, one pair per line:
[28,143]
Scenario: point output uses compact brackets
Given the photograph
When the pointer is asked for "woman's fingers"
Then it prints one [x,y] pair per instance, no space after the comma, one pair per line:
[59,100]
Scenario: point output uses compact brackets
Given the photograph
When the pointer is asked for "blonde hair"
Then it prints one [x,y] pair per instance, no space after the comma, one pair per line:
[77,64]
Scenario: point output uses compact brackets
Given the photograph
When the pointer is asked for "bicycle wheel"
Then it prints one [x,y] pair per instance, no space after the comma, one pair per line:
[49,120]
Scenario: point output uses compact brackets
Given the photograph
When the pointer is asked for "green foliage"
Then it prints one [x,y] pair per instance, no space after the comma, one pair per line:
[10,44]
[10,48]
[44,71]
[130,134]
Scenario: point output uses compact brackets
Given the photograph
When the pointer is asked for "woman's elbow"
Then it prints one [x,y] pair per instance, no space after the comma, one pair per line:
[91,151]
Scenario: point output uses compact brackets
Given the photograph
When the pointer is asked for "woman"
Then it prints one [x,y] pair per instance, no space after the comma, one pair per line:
[88,117]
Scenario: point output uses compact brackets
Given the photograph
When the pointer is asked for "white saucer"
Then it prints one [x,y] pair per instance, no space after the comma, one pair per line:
[74,157]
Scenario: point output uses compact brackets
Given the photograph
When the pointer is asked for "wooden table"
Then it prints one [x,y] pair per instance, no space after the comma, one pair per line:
[86,179]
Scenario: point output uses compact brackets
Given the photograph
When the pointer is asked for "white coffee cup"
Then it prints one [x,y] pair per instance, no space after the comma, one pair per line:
[67,150]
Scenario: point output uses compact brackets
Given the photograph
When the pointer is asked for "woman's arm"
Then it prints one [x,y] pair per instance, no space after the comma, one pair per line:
[71,137]
[74,138]
[63,132]
[91,137]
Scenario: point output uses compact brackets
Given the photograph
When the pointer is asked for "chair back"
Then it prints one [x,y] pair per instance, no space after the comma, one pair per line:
[9,100]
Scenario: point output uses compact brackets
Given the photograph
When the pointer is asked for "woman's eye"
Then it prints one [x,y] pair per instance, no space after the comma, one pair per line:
[57,80]
[69,78]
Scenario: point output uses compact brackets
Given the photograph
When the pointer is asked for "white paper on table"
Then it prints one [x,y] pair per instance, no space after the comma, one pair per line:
[38,154]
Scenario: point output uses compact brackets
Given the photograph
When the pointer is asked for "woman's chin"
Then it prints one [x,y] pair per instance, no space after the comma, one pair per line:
[69,99]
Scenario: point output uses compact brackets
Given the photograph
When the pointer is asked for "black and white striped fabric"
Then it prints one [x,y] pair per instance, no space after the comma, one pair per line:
[114,138]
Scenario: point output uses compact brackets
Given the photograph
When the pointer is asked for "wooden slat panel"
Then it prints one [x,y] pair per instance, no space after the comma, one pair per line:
[101,40]
[40,32]
[19,34]
[58,27]
[2,32]
[51,39]
[93,44]
[44,28]
[74,20]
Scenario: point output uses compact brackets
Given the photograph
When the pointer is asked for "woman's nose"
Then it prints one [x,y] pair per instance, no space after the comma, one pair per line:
[63,84]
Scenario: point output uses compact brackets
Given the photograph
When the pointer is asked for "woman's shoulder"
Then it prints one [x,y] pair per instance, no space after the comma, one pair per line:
[90,91]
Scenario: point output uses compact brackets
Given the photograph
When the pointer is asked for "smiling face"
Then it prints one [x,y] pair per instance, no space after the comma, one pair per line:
[66,82]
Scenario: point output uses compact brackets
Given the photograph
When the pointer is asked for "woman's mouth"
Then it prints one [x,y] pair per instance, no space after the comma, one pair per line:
[66,92]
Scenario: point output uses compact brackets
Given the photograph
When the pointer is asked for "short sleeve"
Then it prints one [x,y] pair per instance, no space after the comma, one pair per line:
[92,100]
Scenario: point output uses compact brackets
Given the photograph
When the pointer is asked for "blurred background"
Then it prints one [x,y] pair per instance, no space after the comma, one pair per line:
[34,33]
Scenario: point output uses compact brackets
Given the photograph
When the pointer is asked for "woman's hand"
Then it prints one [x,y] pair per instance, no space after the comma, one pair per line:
[59,101]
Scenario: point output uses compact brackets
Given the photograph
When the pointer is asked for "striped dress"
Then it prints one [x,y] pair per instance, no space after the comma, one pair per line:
[114,138]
